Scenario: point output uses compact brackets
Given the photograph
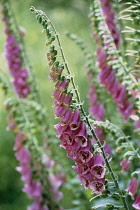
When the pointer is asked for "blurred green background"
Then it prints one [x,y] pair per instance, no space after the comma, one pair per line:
[69,16]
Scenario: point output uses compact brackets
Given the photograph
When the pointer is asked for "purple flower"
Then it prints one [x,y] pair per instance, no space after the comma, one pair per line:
[81,136]
[19,140]
[136,204]
[60,111]
[15,62]
[98,168]
[137,124]
[33,189]
[132,188]
[67,118]
[84,155]
[82,168]
[86,180]
[75,121]
[98,186]
[67,100]
[55,183]
[23,155]
[26,172]
[125,165]
[67,137]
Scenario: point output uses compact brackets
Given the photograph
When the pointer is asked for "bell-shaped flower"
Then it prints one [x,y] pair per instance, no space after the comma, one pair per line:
[81,137]
[132,188]
[33,189]
[23,155]
[59,100]
[60,111]
[60,128]
[84,155]
[98,168]
[75,121]
[136,204]
[98,186]
[125,165]
[67,117]
[86,180]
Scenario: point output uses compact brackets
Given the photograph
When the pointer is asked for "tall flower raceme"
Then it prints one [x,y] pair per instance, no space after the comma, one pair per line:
[131,14]
[107,74]
[109,15]
[13,56]
[72,130]
[45,190]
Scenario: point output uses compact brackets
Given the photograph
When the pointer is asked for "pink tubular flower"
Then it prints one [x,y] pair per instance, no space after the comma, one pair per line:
[98,169]
[60,111]
[98,186]
[75,121]
[19,140]
[137,124]
[81,136]
[23,155]
[85,155]
[136,204]
[33,189]
[13,56]
[67,117]
[125,165]
[132,188]
[55,183]
[86,180]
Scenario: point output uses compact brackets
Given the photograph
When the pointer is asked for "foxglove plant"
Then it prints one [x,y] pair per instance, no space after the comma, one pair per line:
[74,127]
[109,15]
[110,62]
[72,131]
[107,75]
[13,56]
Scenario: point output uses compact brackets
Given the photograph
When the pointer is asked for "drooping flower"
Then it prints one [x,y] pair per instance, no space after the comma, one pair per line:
[98,168]
[125,165]
[136,204]
[98,186]
[132,188]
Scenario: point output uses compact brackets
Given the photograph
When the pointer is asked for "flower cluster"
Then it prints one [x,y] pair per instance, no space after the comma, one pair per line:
[107,75]
[32,188]
[72,131]
[28,168]
[114,87]
[110,21]
[13,56]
